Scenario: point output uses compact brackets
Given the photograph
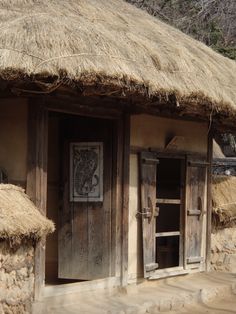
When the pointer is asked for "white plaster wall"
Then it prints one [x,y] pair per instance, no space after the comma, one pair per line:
[149,131]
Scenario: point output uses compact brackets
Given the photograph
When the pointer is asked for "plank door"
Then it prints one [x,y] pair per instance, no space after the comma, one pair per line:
[196,206]
[85,225]
[148,169]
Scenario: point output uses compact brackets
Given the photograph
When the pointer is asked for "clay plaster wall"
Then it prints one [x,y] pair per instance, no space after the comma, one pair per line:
[223,250]
[150,131]
[13,139]
[16,278]
[154,132]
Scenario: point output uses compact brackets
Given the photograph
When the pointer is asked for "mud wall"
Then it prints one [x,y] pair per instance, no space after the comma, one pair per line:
[16,278]
[150,131]
[13,139]
[223,250]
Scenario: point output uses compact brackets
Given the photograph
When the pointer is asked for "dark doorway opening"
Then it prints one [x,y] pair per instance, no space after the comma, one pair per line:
[169,221]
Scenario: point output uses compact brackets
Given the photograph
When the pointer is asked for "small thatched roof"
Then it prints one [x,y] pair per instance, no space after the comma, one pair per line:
[112,44]
[224,201]
[217,151]
[19,218]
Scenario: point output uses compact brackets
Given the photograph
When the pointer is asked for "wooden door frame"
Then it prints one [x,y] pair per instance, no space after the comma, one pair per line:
[36,186]
[175,270]
[209,199]
[183,156]
[195,264]
[37,182]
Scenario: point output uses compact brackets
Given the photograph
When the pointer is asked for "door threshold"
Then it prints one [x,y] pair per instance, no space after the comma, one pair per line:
[168,272]
[76,287]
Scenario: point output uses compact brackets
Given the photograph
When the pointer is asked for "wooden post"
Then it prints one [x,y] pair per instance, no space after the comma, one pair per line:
[36,186]
[209,200]
[125,203]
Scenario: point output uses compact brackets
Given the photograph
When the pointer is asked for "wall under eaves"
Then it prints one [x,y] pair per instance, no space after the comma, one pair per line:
[13,139]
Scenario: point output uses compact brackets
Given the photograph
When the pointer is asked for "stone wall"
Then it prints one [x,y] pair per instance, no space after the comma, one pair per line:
[223,250]
[16,278]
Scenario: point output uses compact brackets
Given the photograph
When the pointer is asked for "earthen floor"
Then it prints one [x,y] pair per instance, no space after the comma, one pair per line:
[198,293]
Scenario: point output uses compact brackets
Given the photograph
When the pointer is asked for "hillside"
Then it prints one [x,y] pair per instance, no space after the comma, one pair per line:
[210,21]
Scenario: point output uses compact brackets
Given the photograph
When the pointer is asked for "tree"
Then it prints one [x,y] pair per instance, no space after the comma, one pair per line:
[210,21]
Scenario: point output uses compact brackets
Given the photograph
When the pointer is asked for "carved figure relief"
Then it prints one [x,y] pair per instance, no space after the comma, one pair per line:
[86,172]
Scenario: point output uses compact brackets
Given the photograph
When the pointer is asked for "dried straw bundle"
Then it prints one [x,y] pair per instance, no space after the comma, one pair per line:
[114,44]
[19,218]
[224,201]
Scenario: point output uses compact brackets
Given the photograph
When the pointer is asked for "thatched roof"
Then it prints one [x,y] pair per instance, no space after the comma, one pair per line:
[113,44]
[19,218]
[217,151]
[224,201]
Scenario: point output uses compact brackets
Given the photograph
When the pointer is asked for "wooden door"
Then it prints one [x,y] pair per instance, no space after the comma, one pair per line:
[148,169]
[85,223]
[195,211]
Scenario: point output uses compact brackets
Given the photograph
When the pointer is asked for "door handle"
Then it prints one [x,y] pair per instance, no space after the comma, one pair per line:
[147,211]
[150,211]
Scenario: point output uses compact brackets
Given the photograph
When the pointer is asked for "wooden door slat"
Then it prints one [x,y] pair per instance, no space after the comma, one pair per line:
[193,260]
[148,206]
[195,209]
[167,234]
[168,201]
[85,226]
[194,212]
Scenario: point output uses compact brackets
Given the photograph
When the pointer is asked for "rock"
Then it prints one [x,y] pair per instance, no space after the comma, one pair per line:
[16,279]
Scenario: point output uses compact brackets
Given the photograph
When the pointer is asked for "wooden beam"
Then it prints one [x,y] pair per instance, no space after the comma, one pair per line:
[125,206]
[167,234]
[209,200]
[182,213]
[117,196]
[160,154]
[84,110]
[227,161]
[102,107]
[36,186]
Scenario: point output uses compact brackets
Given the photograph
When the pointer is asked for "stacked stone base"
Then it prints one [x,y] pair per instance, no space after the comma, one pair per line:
[223,250]
[16,278]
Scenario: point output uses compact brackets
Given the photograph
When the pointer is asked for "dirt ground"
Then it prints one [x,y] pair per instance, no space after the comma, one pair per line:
[219,306]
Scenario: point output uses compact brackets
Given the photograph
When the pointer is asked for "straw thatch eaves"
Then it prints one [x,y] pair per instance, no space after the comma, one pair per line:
[19,218]
[224,201]
[117,46]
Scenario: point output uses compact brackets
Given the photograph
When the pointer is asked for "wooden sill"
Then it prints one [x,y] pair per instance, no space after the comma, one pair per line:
[169,272]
